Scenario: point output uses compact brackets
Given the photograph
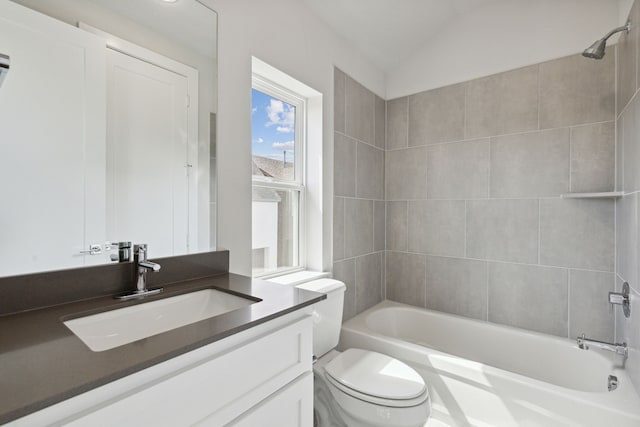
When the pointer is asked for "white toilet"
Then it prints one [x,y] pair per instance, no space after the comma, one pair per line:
[359,388]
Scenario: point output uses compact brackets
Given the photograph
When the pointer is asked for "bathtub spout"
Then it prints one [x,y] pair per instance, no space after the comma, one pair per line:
[620,349]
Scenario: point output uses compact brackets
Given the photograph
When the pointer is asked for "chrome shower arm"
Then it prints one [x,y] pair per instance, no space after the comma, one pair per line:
[626,27]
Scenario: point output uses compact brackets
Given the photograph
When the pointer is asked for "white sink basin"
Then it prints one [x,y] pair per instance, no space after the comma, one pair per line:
[114,328]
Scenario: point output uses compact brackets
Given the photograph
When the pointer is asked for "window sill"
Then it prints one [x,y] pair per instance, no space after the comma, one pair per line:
[298,277]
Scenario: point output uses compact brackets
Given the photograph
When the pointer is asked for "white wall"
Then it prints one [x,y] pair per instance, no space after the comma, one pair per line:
[505,35]
[284,34]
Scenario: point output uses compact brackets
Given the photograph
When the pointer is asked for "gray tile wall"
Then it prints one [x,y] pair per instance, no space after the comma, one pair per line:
[475,223]
[627,177]
[359,201]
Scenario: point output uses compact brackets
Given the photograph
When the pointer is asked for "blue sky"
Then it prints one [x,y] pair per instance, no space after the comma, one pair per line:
[272,126]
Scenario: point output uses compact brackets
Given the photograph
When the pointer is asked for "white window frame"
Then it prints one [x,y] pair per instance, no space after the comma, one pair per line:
[264,85]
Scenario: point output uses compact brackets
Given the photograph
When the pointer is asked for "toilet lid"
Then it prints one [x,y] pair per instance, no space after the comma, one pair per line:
[376,375]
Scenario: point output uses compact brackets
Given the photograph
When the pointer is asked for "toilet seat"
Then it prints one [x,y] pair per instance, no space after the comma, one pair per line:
[376,378]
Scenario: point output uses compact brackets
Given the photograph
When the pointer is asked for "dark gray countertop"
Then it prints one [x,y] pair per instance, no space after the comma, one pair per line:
[42,362]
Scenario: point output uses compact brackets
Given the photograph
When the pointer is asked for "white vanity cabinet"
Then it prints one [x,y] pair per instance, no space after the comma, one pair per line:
[258,377]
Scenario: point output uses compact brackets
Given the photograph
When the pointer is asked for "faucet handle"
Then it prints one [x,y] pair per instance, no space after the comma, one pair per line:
[621,298]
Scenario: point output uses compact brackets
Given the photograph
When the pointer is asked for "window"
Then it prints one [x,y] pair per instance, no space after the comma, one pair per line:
[278,172]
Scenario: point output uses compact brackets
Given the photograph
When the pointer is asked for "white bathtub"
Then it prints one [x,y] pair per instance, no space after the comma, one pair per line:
[482,374]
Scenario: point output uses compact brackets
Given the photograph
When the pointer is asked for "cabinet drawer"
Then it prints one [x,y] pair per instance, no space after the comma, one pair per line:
[290,407]
[226,385]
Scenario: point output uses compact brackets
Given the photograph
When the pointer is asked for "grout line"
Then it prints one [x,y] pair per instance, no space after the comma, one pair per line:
[355,172]
[486,269]
[616,67]
[570,157]
[483,138]
[476,198]
[627,106]
[497,261]
[465,112]
[569,303]
[466,218]
[539,96]
[407,227]
[490,143]
[358,140]
[353,258]
[539,229]
[407,113]
[344,225]
[425,281]
[355,286]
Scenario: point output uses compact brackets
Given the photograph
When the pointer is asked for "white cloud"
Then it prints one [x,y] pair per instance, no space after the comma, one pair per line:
[284,129]
[281,114]
[289,145]
[259,140]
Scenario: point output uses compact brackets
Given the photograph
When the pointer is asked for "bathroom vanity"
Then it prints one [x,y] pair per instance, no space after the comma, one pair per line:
[250,366]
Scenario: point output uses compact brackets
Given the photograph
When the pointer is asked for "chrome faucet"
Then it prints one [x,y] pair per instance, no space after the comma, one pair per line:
[142,265]
[620,349]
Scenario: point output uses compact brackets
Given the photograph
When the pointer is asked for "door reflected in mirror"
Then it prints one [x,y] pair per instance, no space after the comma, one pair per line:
[108,130]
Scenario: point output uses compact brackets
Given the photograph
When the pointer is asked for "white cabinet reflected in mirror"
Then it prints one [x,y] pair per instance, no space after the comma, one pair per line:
[107,130]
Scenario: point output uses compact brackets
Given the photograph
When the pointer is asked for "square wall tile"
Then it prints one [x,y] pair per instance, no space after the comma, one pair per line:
[368,281]
[344,166]
[397,123]
[436,227]
[381,123]
[503,103]
[459,170]
[406,278]
[503,230]
[338,228]
[515,290]
[360,111]
[436,116]
[627,238]
[589,311]
[532,164]
[369,172]
[397,236]
[358,227]
[379,220]
[631,146]
[406,174]
[576,90]
[457,286]
[339,100]
[345,271]
[577,233]
[593,158]
[627,51]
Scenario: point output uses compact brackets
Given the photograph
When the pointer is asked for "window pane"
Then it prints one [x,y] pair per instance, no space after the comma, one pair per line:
[273,137]
[275,229]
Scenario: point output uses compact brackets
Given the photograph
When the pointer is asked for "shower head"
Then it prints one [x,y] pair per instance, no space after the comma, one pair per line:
[597,49]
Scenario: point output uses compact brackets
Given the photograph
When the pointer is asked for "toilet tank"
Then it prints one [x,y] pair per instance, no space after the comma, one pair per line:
[327,314]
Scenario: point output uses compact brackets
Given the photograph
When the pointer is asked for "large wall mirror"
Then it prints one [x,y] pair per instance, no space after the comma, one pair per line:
[107,130]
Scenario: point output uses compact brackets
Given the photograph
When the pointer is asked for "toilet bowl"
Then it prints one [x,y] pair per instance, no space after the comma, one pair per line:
[359,388]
